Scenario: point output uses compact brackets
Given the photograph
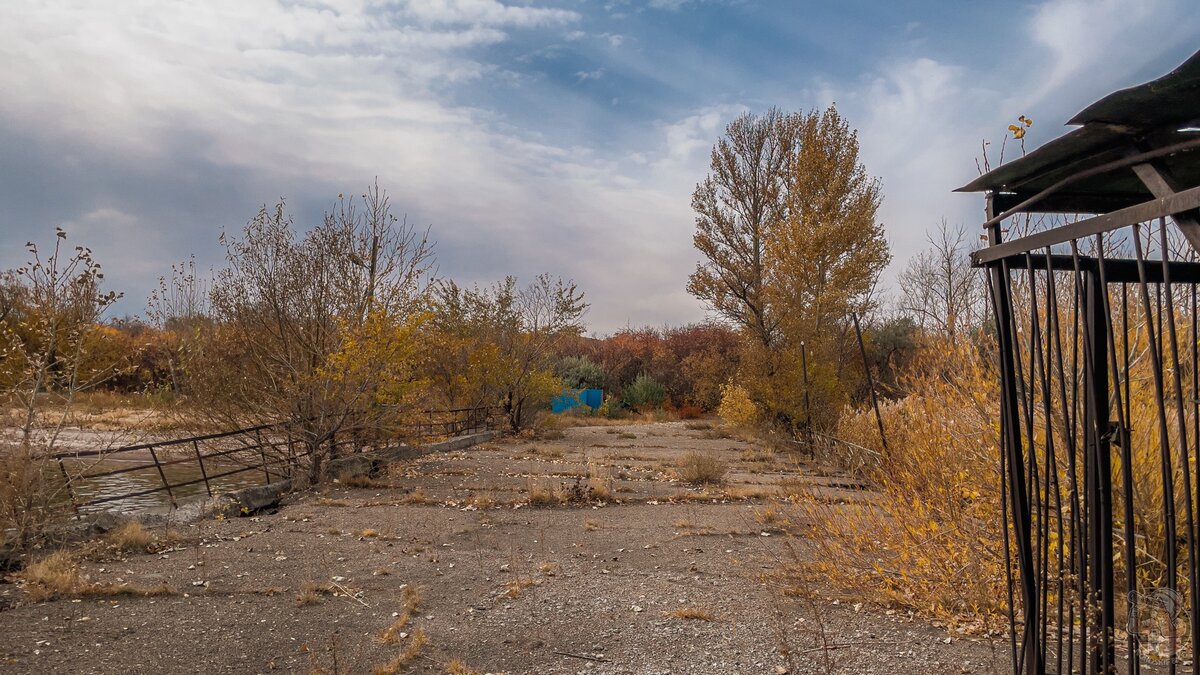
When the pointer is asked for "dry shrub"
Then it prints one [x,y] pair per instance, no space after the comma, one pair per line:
[543,494]
[33,497]
[692,613]
[701,469]
[416,642]
[599,483]
[758,455]
[459,667]
[411,606]
[132,537]
[687,411]
[361,481]
[931,540]
[697,426]
[311,592]
[58,576]
[417,496]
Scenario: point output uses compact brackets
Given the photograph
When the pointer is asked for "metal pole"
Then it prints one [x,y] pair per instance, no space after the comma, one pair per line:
[203,472]
[807,401]
[870,381]
[163,476]
[262,452]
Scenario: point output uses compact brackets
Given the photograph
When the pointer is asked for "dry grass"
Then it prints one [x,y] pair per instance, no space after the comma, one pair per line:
[416,642]
[769,515]
[132,537]
[691,613]
[482,501]
[514,588]
[417,496]
[599,483]
[758,455]
[367,533]
[627,435]
[543,494]
[412,605]
[698,426]
[548,451]
[311,593]
[548,569]
[459,667]
[58,576]
[362,481]
[701,469]
[590,525]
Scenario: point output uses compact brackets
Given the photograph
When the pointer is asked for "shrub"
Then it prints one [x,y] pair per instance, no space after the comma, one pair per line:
[578,372]
[644,394]
[736,406]
[928,541]
[701,469]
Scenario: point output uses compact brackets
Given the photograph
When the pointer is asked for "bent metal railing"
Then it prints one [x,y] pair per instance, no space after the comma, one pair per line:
[269,449]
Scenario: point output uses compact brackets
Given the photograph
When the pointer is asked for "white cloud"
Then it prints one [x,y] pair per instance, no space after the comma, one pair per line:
[590,74]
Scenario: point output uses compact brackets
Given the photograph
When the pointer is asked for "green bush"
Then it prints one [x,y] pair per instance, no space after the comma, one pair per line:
[577,372]
[644,393]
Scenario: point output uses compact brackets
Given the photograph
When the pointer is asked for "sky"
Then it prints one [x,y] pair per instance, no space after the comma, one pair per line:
[559,136]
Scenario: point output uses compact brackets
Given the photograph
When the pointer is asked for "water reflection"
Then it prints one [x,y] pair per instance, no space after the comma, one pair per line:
[91,487]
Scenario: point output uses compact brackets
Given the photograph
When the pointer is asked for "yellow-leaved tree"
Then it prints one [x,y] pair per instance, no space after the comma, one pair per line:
[786,221]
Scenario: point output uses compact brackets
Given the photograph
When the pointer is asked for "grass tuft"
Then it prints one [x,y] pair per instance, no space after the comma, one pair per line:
[701,469]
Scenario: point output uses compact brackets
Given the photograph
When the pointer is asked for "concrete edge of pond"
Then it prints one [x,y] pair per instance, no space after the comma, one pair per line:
[250,500]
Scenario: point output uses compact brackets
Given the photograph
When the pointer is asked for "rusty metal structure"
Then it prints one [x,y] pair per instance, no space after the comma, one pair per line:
[272,451]
[1096,321]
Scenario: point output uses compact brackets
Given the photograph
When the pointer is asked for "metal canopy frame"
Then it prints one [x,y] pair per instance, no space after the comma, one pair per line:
[1092,315]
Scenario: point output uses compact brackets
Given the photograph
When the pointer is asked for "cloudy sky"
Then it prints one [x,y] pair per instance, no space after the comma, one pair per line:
[560,135]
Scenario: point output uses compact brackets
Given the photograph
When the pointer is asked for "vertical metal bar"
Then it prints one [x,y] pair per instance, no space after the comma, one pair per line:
[862,350]
[67,483]
[1123,435]
[1167,467]
[262,453]
[163,476]
[807,401]
[1184,453]
[203,471]
[1026,658]
[1099,472]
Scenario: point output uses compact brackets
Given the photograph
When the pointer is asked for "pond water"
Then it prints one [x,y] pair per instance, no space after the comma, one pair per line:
[91,487]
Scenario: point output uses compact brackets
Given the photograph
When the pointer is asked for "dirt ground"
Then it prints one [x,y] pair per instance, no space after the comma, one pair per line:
[505,587]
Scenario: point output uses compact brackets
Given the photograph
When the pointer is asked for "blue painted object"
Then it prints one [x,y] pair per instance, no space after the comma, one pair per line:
[573,398]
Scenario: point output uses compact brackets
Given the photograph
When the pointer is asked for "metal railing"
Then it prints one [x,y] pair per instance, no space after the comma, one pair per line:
[274,450]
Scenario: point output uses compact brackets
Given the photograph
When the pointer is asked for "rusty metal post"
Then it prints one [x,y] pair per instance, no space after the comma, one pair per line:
[203,471]
[163,475]
[807,400]
[262,452]
[870,380]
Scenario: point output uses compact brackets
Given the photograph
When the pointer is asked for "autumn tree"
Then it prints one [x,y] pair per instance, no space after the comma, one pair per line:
[738,205]
[317,330]
[792,248]
[496,344]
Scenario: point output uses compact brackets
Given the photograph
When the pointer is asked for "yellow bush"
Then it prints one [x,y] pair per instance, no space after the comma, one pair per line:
[736,406]
[931,540]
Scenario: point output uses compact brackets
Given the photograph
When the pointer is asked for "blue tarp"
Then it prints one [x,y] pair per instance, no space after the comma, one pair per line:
[573,398]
